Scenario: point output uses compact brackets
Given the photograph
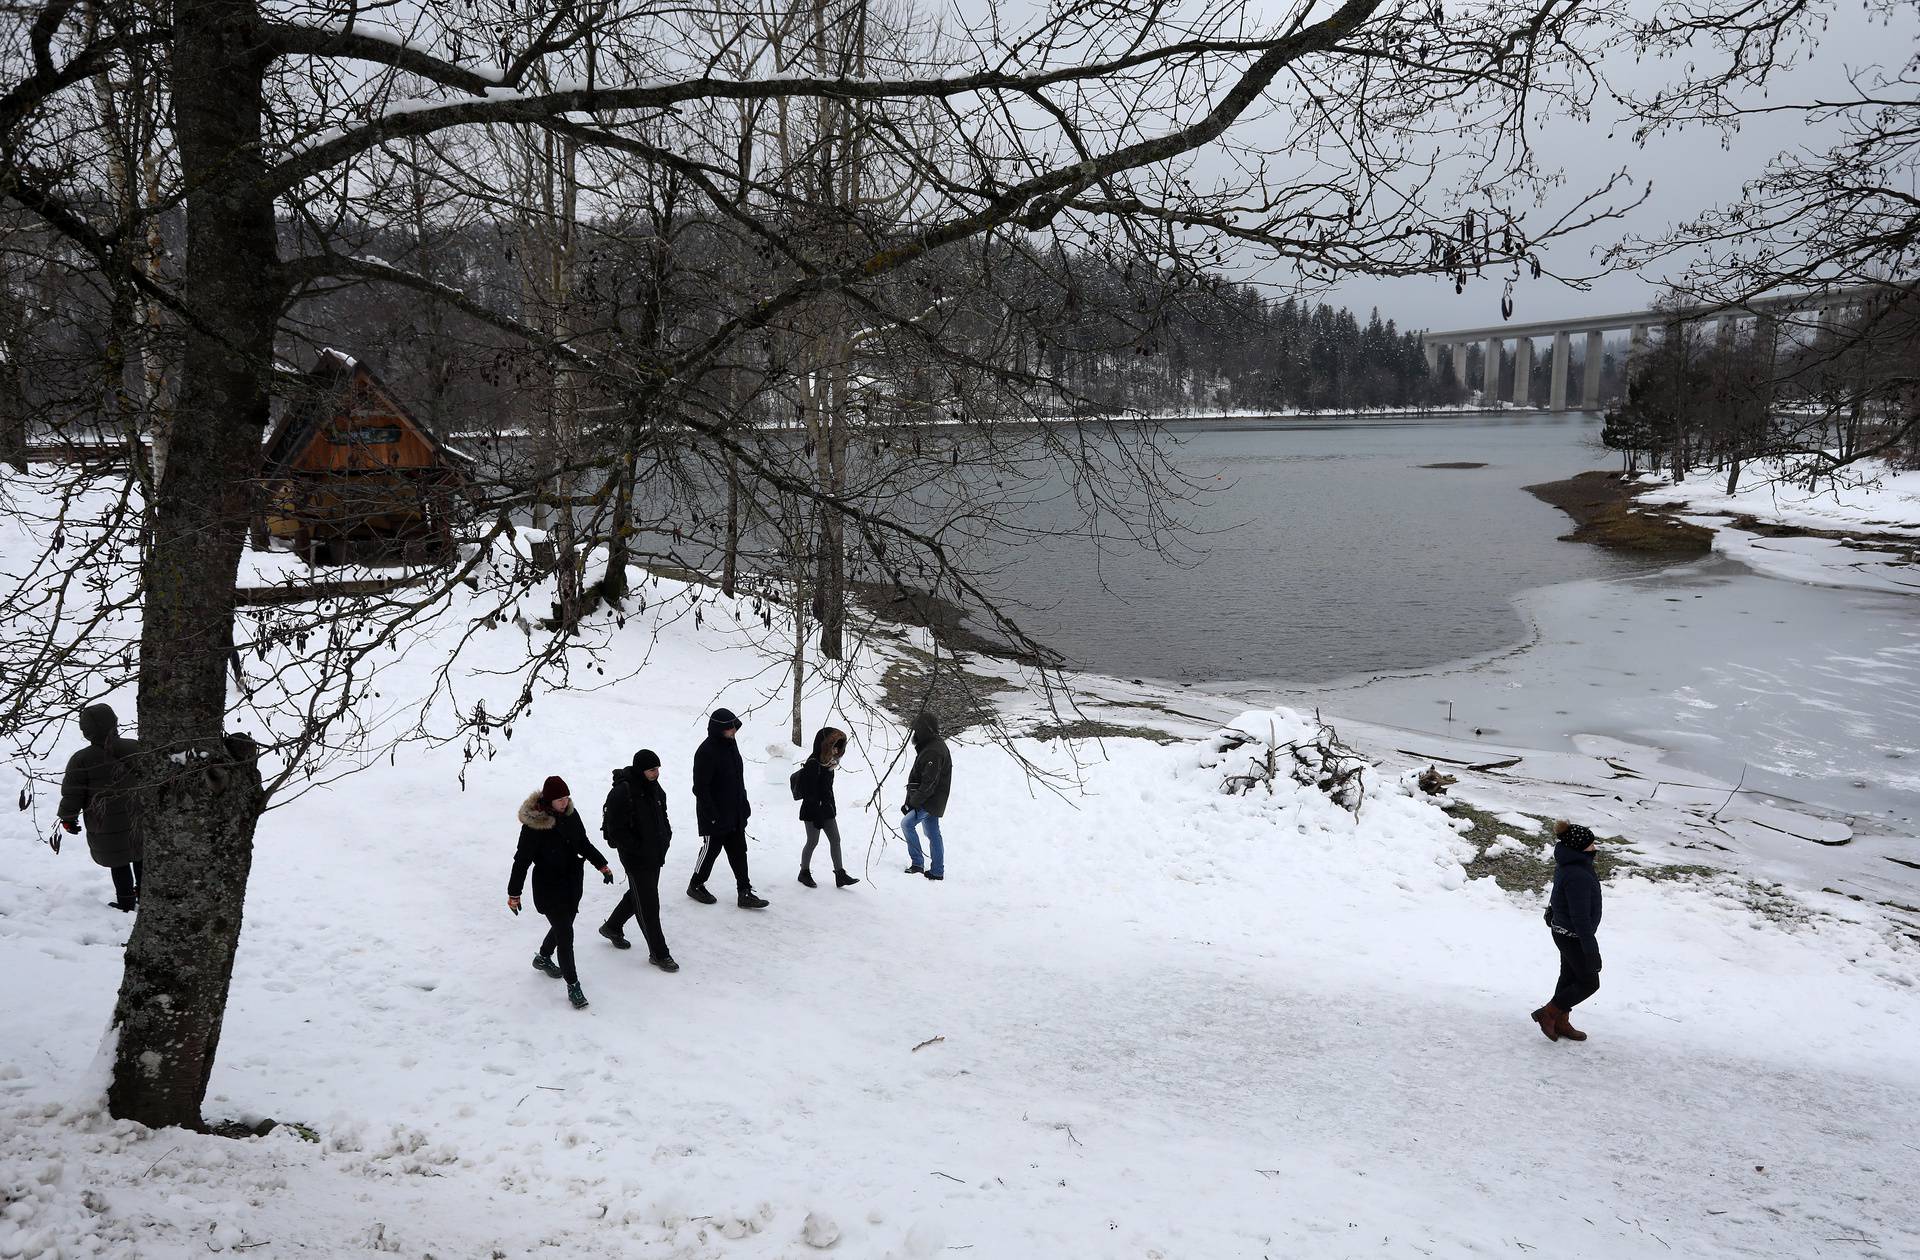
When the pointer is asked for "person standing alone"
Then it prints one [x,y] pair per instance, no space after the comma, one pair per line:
[813,787]
[635,824]
[721,809]
[1573,915]
[927,787]
[102,781]
[553,842]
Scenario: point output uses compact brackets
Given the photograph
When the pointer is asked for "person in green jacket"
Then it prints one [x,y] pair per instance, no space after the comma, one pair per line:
[927,788]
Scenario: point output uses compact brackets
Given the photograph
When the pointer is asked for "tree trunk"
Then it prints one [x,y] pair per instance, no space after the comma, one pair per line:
[204,797]
[730,562]
[1733,474]
[619,537]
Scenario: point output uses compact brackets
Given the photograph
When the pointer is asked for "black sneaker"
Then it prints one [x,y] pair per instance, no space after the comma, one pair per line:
[663,961]
[931,875]
[613,936]
[843,880]
[916,869]
[543,963]
[806,877]
[576,996]
[750,902]
[700,894]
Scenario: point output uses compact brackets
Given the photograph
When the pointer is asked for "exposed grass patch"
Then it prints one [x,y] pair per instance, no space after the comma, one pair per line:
[1089,728]
[917,681]
[1603,508]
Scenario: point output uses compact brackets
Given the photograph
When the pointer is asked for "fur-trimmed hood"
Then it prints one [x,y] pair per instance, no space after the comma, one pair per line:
[534,814]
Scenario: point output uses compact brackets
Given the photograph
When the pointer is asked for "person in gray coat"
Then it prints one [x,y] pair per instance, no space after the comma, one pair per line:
[927,787]
[101,783]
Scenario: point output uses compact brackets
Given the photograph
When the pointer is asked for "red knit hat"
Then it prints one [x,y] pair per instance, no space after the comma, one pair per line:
[553,789]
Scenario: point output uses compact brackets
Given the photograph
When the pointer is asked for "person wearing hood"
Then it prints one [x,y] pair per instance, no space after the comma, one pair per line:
[813,788]
[102,783]
[634,822]
[926,803]
[1573,915]
[721,810]
[553,842]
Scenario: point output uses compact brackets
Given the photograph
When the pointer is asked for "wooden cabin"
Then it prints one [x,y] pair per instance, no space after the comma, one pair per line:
[352,475]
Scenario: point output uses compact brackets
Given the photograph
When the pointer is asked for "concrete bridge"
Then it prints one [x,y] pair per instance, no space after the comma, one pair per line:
[1765,312]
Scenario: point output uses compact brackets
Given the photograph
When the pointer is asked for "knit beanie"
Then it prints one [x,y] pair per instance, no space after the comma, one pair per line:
[646,759]
[553,789]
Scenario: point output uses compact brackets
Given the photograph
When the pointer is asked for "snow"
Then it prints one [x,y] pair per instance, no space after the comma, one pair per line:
[1175,1022]
[1873,500]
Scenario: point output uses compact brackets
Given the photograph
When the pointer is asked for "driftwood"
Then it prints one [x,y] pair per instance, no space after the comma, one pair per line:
[1321,761]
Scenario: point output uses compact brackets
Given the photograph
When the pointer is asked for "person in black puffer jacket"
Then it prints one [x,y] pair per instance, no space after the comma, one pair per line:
[1573,916]
[102,782]
[813,786]
[721,809]
[553,842]
[635,823]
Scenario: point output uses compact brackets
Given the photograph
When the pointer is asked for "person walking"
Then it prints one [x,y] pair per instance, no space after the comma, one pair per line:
[927,787]
[553,842]
[634,822]
[1573,915]
[102,783]
[721,810]
[813,788]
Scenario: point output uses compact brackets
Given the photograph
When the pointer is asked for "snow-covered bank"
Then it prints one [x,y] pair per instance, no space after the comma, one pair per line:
[1175,1023]
[1872,507]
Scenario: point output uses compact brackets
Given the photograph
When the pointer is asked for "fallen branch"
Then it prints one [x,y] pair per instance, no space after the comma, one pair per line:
[931,1041]
[948,1176]
[156,1163]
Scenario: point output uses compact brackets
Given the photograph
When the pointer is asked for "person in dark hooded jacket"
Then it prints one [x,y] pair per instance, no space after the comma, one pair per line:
[927,787]
[813,784]
[553,843]
[1573,916]
[101,783]
[635,824]
[721,809]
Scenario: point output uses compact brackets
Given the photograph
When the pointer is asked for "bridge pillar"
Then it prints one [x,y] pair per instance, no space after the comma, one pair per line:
[1490,371]
[1638,345]
[1590,377]
[1460,364]
[1523,372]
[1433,358]
[1557,391]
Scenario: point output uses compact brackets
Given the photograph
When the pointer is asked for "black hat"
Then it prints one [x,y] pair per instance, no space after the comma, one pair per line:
[646,759]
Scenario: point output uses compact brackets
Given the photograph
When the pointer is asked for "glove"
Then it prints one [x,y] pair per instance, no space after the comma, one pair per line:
[905,810]
[71,826]
[606,875]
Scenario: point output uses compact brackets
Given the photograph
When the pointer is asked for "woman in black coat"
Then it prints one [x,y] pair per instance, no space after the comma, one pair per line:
[1573,915]
[813,788]
[553,842]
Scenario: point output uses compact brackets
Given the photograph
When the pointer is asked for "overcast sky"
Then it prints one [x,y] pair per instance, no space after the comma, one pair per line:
[1689,172]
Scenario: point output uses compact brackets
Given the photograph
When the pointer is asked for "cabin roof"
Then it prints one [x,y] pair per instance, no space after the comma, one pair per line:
[319,398]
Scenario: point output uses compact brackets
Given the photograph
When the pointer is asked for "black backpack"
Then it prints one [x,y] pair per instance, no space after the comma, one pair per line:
[797,782]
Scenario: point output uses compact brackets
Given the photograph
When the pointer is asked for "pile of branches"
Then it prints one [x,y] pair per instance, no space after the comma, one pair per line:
[1323,761]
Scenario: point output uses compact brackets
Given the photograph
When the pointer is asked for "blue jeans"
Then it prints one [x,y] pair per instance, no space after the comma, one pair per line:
[912,823]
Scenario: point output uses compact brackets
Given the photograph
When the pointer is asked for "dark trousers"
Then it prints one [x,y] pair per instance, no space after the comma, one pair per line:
[832,828]
[735,843]
[560,939]
[643,888]
[126,883]
[1579,974]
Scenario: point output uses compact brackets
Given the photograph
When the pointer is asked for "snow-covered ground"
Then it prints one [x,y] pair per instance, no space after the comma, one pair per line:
[1877,505]
[1170,1022]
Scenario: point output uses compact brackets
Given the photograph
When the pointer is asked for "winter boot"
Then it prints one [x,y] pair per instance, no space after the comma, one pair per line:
[931,875]
[700,894]
[575,996]
[663,961]
[916,869]
[1567,1029]
[806,877]
[543,963]
[750,902]
[613,935]
[1548,1017]
[843,880]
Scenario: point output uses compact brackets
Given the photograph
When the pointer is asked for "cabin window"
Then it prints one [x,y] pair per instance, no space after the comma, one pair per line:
[365,435]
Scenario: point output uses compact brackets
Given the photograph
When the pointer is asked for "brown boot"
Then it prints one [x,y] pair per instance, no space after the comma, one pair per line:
[1549,1017]
[1566,1028]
